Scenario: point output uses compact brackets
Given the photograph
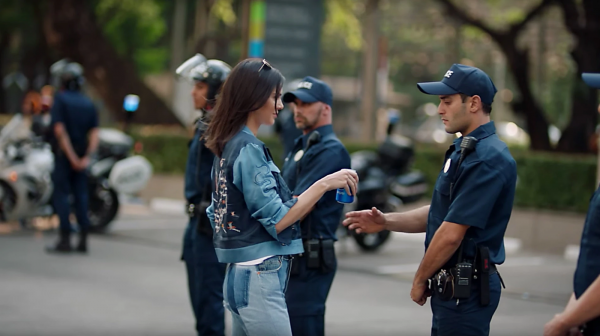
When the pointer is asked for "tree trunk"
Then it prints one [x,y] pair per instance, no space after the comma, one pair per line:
[586,53]
[4,40]
[368,105]
[518,61]
[537,125]
[72,30]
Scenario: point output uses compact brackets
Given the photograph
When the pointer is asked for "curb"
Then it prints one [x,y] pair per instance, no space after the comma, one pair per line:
[167,206]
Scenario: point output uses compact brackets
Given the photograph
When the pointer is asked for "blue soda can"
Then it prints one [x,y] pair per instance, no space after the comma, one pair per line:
[342,196]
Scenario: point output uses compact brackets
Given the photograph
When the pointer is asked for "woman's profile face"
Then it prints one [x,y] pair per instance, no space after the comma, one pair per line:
[268,112]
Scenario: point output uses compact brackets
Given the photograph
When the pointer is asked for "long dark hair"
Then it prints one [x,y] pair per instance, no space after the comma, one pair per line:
[247,88]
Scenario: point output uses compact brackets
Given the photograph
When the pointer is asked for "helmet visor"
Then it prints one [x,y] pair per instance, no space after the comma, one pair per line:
[185,69]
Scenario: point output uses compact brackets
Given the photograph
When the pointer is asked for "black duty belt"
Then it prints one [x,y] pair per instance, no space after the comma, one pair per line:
[199,210]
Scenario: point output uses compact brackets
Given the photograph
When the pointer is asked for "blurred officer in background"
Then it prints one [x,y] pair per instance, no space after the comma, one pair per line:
[316,154]
[205,273]
[74,123]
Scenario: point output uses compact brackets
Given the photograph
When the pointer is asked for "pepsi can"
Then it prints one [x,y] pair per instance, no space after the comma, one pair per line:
[343,197]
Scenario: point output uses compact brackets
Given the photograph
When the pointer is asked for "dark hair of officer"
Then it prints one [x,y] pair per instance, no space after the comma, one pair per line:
[247,89]
[487,108]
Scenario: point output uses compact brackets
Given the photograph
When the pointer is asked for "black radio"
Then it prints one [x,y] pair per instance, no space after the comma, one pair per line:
[462,280]
[313,255]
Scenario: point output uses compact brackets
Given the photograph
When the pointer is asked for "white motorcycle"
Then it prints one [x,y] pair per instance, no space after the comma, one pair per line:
[26,165]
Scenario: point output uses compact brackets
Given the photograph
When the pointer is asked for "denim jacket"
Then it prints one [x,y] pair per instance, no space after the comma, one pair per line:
[249,198]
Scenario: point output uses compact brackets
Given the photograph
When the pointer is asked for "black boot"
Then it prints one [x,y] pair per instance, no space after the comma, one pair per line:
[82,245]
[63,245]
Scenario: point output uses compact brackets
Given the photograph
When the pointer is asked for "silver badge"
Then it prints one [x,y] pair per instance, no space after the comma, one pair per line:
[298,155]
[447,166]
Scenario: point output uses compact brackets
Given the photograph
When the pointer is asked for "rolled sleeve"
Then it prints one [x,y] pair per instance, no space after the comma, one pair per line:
[253,176]
[475,193]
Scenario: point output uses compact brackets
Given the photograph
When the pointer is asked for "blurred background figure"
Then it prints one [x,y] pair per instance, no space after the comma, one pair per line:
[75,130]
[205,273]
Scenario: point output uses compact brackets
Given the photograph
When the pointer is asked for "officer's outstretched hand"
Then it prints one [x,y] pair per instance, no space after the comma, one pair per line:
[365,221]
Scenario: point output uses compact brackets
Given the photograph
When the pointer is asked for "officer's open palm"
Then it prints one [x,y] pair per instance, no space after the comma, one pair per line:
[365,221]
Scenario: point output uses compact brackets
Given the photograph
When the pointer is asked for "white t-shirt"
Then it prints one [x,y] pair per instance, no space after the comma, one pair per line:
[253,262]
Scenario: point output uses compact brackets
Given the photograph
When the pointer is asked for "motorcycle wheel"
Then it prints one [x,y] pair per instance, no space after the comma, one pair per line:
[103,208]
[371,242]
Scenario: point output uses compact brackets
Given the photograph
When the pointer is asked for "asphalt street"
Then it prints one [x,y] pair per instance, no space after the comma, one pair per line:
[133,283]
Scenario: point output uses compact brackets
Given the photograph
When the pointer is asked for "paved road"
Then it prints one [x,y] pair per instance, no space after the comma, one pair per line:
[132,283]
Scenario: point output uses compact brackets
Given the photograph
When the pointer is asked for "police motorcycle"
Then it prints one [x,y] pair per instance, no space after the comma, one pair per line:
[26,186]
[387,182]
[26,164]
[113,171]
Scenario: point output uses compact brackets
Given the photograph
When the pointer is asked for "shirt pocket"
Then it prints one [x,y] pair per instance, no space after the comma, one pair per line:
[443,185]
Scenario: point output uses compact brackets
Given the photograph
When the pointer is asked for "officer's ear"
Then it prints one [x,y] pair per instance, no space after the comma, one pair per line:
[475,104]
[326,109]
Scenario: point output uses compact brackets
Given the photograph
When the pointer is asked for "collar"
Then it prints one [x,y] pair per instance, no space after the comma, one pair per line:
[479,133]
[247,130]
[323,130]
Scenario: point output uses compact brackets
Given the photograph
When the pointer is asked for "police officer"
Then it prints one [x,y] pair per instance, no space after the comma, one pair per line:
[583,309]
[205,273]
[470,208]
[285,126]
[317,153]
[75,129]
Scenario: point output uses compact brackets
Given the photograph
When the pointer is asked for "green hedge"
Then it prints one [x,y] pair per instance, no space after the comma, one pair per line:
[548,181]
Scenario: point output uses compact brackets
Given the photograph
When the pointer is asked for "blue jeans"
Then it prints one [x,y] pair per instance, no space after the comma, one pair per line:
[255,296]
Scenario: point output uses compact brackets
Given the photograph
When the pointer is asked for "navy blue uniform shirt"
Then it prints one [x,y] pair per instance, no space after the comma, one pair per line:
[588,263]
[198,167]
[483,194]
[323,158]
[78,114]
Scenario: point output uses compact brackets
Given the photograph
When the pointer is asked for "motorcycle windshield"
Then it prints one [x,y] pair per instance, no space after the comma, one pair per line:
[185,69]
[12,129]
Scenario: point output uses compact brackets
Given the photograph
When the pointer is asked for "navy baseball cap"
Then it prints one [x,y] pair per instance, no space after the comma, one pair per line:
[591,79]
[463,79]
[310,90]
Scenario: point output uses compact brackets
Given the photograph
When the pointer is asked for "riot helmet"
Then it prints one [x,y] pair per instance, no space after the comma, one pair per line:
[67,74]
[212,72]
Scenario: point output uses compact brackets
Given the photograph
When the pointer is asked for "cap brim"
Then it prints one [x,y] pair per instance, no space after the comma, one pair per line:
[436,88]
[591,79]
[303,95]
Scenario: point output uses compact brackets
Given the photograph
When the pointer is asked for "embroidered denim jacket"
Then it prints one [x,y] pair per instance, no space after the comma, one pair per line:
[249,198]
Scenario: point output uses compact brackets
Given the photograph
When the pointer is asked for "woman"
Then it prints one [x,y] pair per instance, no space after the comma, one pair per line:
[252,211]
